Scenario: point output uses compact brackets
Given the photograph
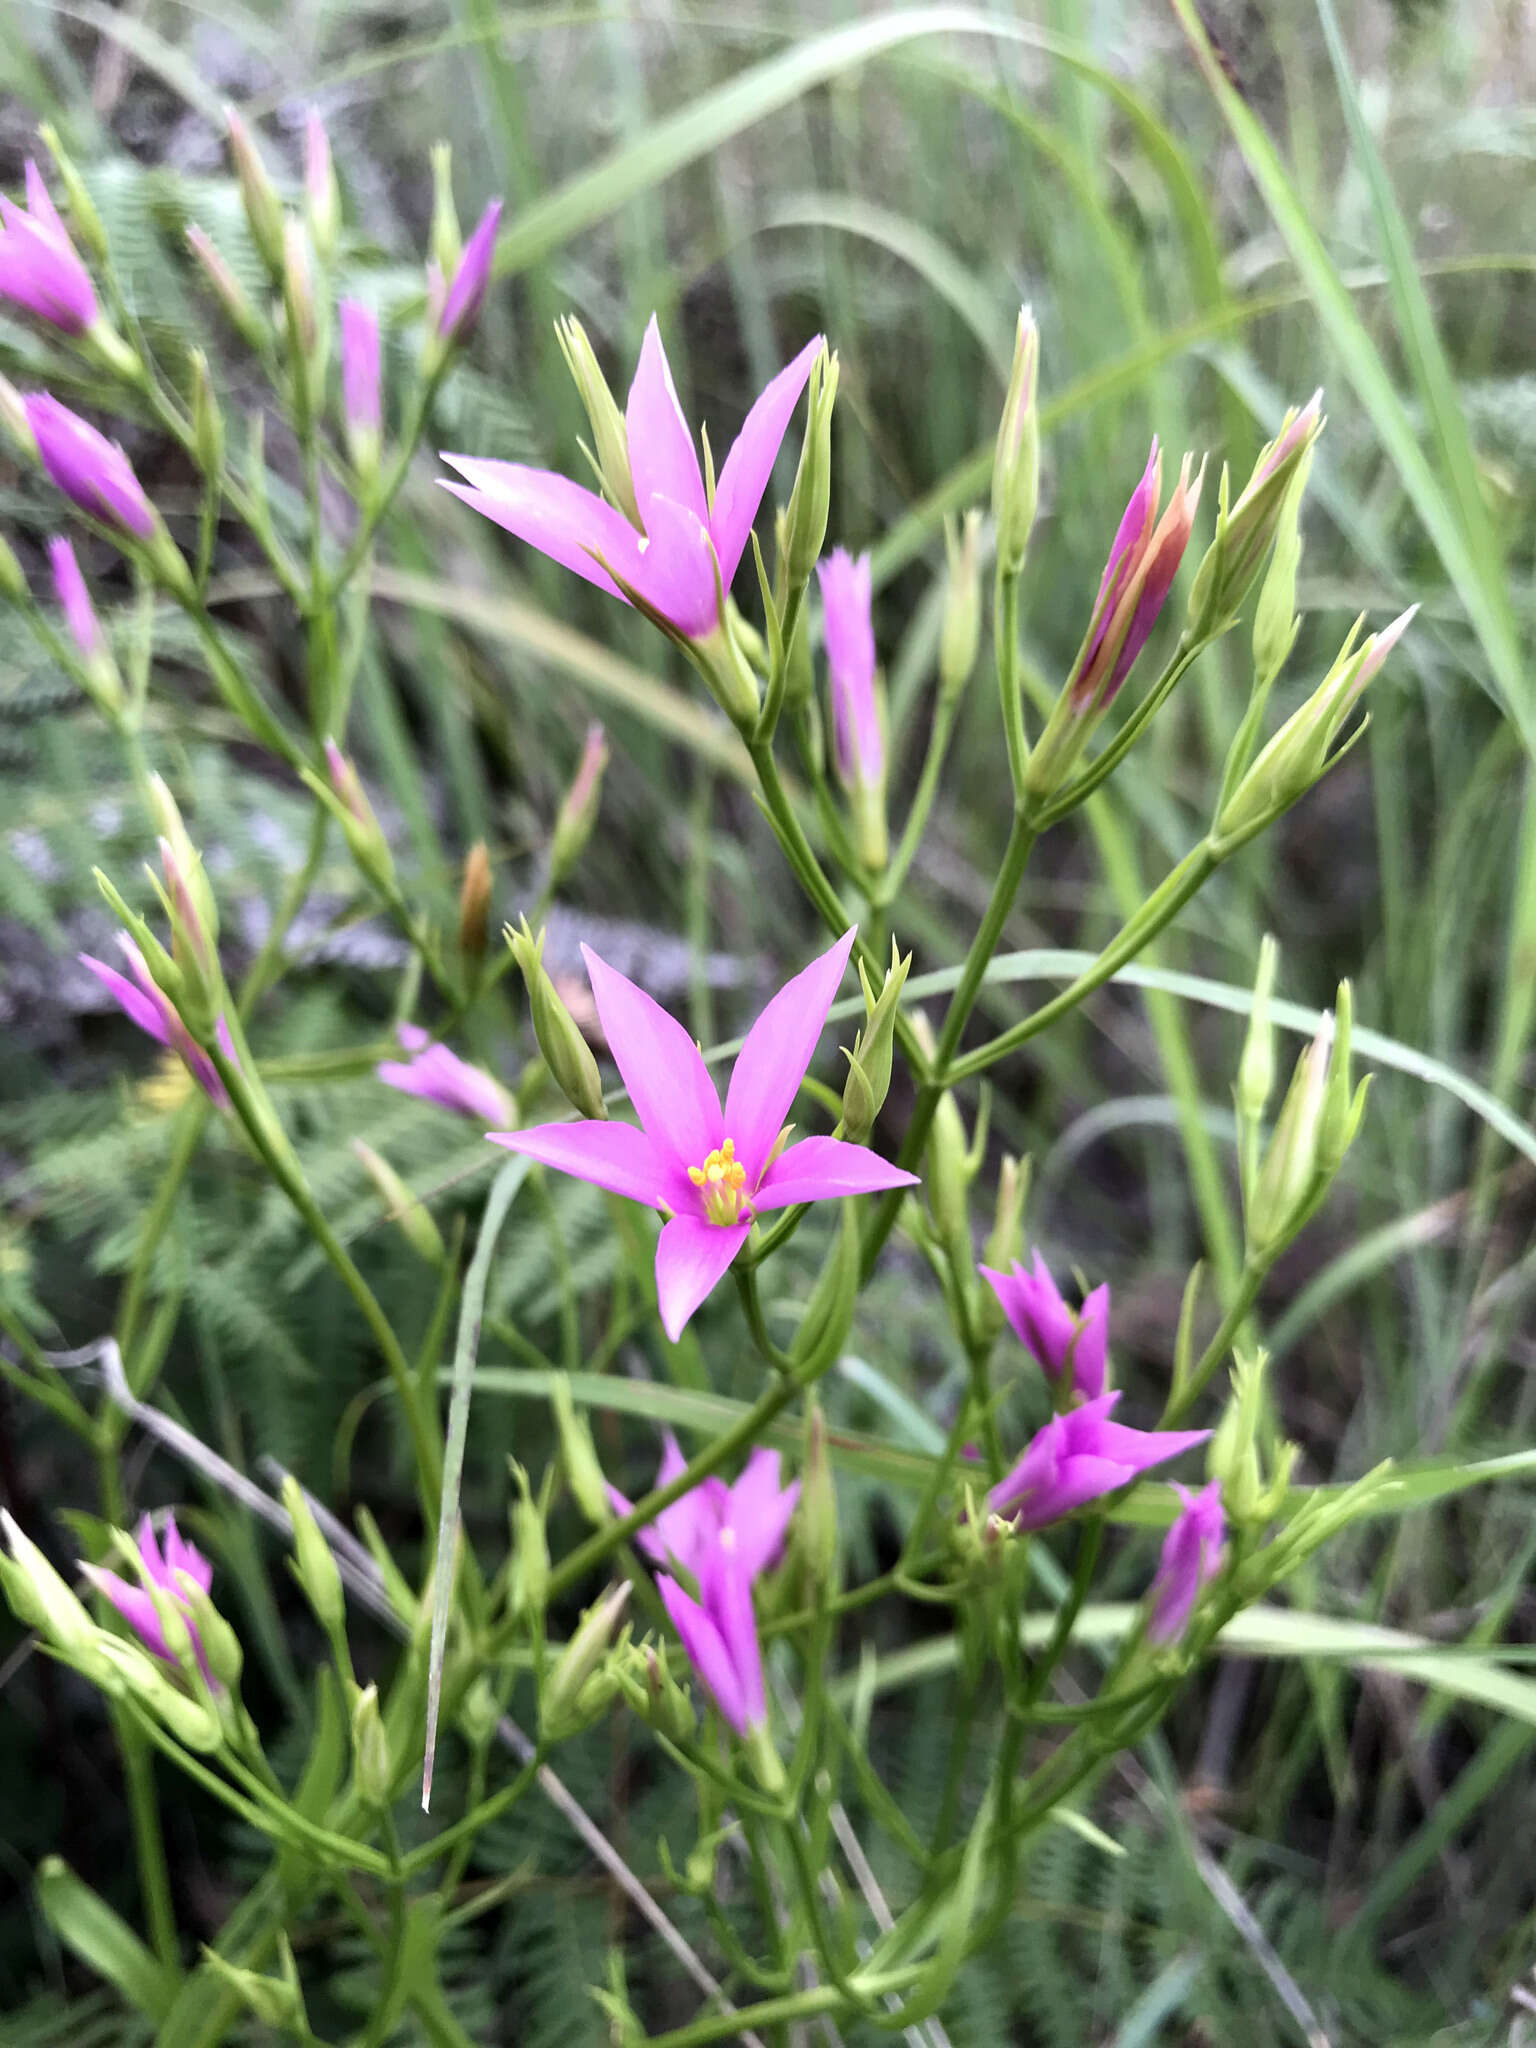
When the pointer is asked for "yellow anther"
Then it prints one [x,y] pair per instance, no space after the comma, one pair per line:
[720,1181]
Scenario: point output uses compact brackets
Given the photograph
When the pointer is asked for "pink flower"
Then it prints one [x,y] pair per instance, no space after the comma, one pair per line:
[719,1633]
[75,600]
[438,1075]
[162,1568]
[713,1170]
[146,1004]
[360,366]
[747,1520]
[1059,1341]
[1137,578]
[1192,1556]
[39,270]
[1081,1456]
[858,743]
[87,467]
[466,295]
[690,541]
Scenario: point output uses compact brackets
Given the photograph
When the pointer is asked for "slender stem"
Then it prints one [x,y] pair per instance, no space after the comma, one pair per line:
[1005,647]
[889,884]
[719,2026]
[148,1839]
[386,490]
[1182,1399]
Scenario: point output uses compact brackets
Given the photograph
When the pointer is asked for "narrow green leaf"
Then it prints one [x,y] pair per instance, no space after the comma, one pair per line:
[103,1940]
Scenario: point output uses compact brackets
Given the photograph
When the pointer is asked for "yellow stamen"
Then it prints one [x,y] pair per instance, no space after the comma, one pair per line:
[720,1181]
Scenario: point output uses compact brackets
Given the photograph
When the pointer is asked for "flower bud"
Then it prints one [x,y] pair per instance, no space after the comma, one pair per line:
[1244,534]
[275,2002]
[83,216]
[666,1704]
[563,1709]
[610,435]
[349,805]
[207,420]
[15,422]
[263,208]
[583,1474]
[479,1714]
[471,279]
[446,240]
[39,1597]
[322,200]
[1256,1069]
[577,815]
[1233,1457]
[371,1763]
[1303,749]
[475,902]
[101,673]
[402,1205]
[13,582]
[1275,622]
[220,1645]
[360,384]
[869,1064]
[195,1722]
[227,289]
[299,296]
[1016,462]
[529,1584]
[960,635]
[1005,1245]
[805,523]
[566,1053]
[313,1565]
[1316,1126]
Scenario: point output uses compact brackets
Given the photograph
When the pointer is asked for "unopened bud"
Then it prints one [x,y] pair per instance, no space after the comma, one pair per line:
[1287,1181]
[805,524]
[227,289]
[960,635]
[38,1596]
[221,1646]
[1256,1069]
[322,200]
[869,1064]
[349,805]
[313,1565]
[566,1053]
[1233,1457]
[610,436]
[1006,1243]
[1016,461]
[1244,534]
[402,1205]
[667,1706]
[583,1474]
[298,296]
[447,243]
[370,1749]
[207,420]
[263,208]
[577,816]
[13,584]
[475,902]
[566,1704]
[275,2002]
[1275,621]
[14,422]
[530,1551]
[84,220]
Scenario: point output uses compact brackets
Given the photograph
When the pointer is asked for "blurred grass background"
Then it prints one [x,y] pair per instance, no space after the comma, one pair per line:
[1209,221]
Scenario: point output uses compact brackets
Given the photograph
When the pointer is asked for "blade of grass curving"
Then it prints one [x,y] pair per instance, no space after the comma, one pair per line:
[1477,585]
[503,1192]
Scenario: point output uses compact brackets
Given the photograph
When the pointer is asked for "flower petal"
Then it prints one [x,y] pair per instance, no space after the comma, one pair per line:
[131,1000]
[759,1512]
[727,1589]
[778,1049]
[822,1169]
[676,573]
[134,1605]
[706,1648]
[662,458]
[743,480]
[612,1156]
[661,1067]
[691,1255]
[559,518]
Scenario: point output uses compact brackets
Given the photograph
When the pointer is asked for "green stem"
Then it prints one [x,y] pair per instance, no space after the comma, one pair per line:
[1005,648]
[889,884]
[1183,1398]
[148,1840]
[387,489]
[719,2026]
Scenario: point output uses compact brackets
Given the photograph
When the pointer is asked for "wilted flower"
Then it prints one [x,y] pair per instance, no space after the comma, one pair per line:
[147,1005]
[1192,1556]
[692,540]
[162,1568]
[438,1075]
[747,1519]
[1081,1456]
[39,269]
[711,1170]
[1067,1346]
[87,467]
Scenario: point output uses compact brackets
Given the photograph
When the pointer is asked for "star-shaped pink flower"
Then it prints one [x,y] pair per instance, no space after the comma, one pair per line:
[711,1169]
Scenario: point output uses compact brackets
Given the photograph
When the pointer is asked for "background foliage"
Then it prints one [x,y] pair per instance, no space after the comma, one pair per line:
[1334,200]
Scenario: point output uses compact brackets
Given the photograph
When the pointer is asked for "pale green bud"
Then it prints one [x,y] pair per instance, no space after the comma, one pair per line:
[583,1473]
[403,1206]
[227,289]
[1286,1180]
[272,2001]
[263,208]
[348,803]
[446,239]
[207,420]
[669,1710]
[475,902]
[567,1704]
[371,1762]
[577,816]
[529,1584]
[480,1714]
[1244,531]
[869,1063]
[1256,1069]
[805,525]
[221,1646]
[39,1597]
[313,1564]
[566,1053]
[13,584]
[960,635]
[610,436]
[1275,623]
[1006,1242]
[763,1755]
[1016,462]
